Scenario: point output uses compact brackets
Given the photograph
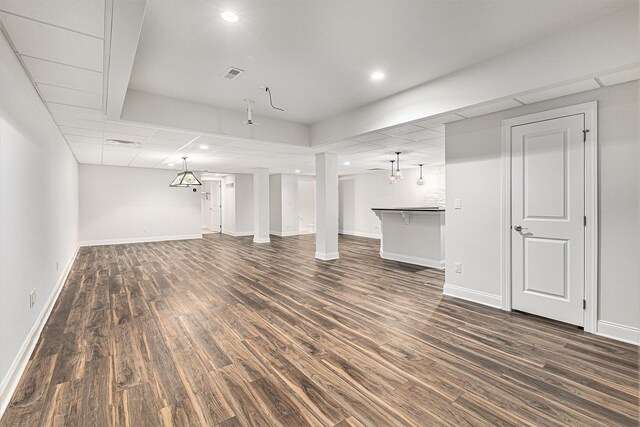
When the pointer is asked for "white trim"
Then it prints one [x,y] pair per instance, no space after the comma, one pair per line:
[619,332]
[483,298]
[139,240]
[284,233]
[261,240]
[303,233]
[327,256]
[237,233]
[12,378]
[590,111]
[361,234]
[425,262]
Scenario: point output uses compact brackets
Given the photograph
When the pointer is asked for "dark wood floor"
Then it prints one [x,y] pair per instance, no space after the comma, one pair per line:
[226,332]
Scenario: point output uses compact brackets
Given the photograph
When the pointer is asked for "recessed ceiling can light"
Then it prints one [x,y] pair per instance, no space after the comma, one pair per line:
[204,147]
[297,170]
[347,163]
[229,16]
[171,164]
[377,75]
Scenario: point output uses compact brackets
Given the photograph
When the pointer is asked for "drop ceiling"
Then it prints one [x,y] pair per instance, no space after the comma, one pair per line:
[316,56]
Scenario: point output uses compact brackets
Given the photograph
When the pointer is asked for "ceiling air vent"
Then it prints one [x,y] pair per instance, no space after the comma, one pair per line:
[376,169]
[122,143]
[232,73]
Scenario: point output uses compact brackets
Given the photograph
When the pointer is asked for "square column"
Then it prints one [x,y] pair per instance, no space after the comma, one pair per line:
[261,205]
[327,206]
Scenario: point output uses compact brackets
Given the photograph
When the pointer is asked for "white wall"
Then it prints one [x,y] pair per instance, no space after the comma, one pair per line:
[473,150]
[38,215]
[119,204]
[360,193]
[244,204]
[275,204]
[306,206]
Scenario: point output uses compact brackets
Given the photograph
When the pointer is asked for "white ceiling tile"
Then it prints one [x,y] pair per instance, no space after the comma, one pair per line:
[149,159]
[66,130]
[44,41]
[369,137]
[491,107]
[55,74]
[62,95]
[557,92]
[63,120]
[62,110]
[118,156]
[401,130]
[85,16]
[152,146]
[128,129]
[84,139]
[620,77]
[170,135]
[422,135]
[86,153]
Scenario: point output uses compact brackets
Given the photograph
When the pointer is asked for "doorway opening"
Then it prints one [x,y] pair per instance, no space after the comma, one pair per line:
[211,207]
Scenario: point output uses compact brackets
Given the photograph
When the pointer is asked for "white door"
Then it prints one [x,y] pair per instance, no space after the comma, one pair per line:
[214,206]
[547,218]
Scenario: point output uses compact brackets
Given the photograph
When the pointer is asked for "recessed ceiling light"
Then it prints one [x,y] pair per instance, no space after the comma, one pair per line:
[297,170]
[229,16]
[204,147]
[377,75]
[347,163]
[171,164]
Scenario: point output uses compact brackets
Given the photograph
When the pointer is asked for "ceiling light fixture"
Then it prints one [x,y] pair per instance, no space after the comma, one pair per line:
[398,174]
[186,178]
[204,147]
[347,163]
[171,164]
[229,16]
[421,179]
[377,75]
[392,177]
[297,170]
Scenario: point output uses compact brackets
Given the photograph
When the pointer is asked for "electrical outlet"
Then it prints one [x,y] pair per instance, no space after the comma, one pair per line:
[458,267]
[457,204]
[33,295]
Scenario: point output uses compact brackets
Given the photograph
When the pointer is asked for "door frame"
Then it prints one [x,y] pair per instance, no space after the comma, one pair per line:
[590,111]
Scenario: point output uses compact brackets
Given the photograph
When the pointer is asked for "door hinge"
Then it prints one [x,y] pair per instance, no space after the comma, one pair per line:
[584,304]
[584,135]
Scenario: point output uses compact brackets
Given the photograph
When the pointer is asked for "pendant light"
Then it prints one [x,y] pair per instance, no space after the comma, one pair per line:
[398,174]
[186,178]
[421,179]
[392,177]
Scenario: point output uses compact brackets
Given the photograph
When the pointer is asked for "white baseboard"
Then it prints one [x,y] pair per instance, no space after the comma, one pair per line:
[433,263]
[619,332]
[261,240]
[12,378]
[472,295]
[302,233]
[327,256]
[237,233]
[139,240]
[284,233]
[361,234]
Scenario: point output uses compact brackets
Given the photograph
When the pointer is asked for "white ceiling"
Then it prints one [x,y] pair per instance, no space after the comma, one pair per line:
[317,56]
[60,46]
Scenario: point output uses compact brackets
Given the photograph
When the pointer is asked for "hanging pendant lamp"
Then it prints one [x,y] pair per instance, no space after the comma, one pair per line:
[398,174]
[421,179]
[186,178]
[392,177]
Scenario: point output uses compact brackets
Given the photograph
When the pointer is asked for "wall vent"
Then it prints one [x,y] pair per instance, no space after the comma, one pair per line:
[376,169]
[122,143]
[232,73]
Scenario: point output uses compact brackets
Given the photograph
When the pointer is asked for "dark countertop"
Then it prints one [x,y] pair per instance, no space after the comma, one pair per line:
[413,209]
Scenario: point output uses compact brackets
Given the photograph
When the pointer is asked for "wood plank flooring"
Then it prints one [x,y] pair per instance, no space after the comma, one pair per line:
[222,331]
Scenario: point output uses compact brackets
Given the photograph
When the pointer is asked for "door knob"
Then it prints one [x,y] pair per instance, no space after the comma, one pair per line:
[517,227]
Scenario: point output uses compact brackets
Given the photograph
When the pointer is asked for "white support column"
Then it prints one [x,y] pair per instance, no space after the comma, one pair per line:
[261,205]
[327,206]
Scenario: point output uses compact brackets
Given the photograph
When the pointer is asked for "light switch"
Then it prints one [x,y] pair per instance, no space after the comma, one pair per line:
[457,204]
